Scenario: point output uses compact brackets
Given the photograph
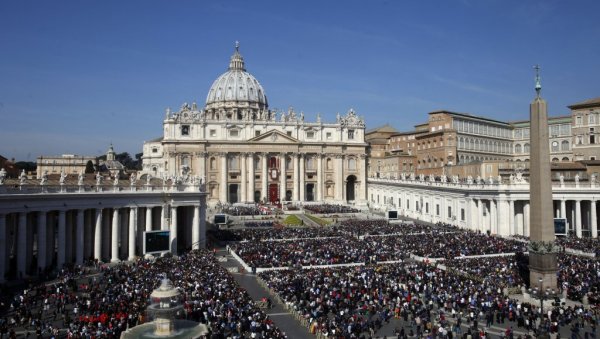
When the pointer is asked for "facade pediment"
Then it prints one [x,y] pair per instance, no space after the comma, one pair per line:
[273,137]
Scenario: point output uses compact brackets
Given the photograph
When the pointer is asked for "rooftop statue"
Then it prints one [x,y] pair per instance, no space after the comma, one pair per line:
[2,176]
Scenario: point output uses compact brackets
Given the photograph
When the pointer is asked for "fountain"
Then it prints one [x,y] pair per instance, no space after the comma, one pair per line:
[165,308]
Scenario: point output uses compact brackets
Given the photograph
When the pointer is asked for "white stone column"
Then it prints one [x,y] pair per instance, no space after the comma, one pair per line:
[244,179]
[251,175]
[302,175]
[362,177]
[594,224]
[563,208]
[578,218]
[202,222]
[263,176]
[196,228]
[223,183]
[296,165]
[3,247]
[114,242]
[22,245]
[42,240]
[98,235]
[133,212]
[282,177]
[339,178]
[494,216]
[79,237]
[62,237]
[163,218]
[202,165]
[511,218]
[148,218]
[526,218]
[173,230]
[480,223]
[319,177]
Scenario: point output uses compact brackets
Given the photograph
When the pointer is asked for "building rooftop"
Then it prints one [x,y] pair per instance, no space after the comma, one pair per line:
[586,103]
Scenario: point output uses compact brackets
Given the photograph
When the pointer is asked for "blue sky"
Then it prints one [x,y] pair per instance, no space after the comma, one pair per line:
[77,75]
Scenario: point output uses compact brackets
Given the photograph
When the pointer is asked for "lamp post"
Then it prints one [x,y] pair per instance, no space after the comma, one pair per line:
[540,280]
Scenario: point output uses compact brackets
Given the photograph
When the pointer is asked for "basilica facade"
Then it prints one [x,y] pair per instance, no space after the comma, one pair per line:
[245,153]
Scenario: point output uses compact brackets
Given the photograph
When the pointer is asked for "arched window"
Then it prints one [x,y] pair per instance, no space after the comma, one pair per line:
[461,143]
[526,148]
[565,159]
[213,163]
[554,159]
[329,163]
[518,149]
[554,148]
[564,145]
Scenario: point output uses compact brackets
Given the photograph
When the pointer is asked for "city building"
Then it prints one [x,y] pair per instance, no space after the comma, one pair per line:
[66,163]
[245,152]
[586,129]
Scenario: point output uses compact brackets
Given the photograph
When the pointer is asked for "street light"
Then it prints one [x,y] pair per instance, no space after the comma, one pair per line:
[540,280]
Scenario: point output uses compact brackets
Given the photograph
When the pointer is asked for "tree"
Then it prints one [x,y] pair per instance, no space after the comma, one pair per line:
[89,167]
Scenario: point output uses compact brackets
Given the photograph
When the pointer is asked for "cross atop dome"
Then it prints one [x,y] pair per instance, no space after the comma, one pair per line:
[237,61]
[538,83]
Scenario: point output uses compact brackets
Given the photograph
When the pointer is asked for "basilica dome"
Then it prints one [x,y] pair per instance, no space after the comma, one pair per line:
[236,87]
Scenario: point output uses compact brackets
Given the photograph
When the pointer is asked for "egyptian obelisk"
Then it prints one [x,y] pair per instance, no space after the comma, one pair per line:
[542,252]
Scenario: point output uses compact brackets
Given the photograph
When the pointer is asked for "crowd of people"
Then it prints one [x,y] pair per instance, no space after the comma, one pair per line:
[239,210]
[355,301]
[587,245]
[330,209]
[256,224]
[108,303]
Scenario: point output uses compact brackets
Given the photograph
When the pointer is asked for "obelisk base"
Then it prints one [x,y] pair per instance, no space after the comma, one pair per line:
[542,265]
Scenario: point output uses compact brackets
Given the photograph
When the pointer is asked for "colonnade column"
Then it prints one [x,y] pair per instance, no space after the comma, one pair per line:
[302,175]
[41,242]
[3,247]
[202,223]
[480,225]
[223,183]
[296,165]
[494,216]
[133,212]
[339,181]
[526,221]
[363,177]
[471,215]
[98,235]
[79,237]
[282,177]
[263,176]
[319,177]
[511,218]
[594,225]
[148,218]
[62,237]
[196,228]
[22,245]
[114,253]
[578,218]
[563,208]
[251,176]
[173,230]
[244,179]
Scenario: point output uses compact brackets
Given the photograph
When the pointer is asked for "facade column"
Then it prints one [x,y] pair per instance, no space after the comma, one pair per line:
[526,218]
[362,177]
[79,237]
[163,218]
[148,218]
[114,242]
[202,223]
[339,178]
[133,213]
[42,241]
[494,212]
[62,237]
[3,247]
[264,177]
[244,179]
[202,166]
[319,177]
[512,227]
[563,208]
[302,175]
[251,177]
[22,245]
[196,228]
[594,225]
[223,184]
[296,165]
[173,230]
[480,224]
[282,177]
[578,218]
[98,235]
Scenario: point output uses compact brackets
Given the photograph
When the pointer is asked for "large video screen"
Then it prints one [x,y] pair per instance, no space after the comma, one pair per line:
[392,214]
[560,226]
[156,241]
[220,219]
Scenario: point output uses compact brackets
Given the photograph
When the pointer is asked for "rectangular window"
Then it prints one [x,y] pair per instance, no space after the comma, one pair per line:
[310,135]
[289,133]
[449,211]
[256,133]
[578,121]
[328,135]
[462,214]
[350,134]
[437,210]
[234,133]
[212,133]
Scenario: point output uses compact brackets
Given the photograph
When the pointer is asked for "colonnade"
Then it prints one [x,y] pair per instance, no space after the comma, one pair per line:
[493,210]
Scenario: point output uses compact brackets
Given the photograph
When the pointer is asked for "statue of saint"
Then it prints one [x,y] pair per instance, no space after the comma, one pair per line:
[133,179]
[99,179]
[80,178]
[63,177]
[2,176]
[44,180]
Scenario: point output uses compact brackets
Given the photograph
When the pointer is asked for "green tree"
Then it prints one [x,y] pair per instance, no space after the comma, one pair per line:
[89,167]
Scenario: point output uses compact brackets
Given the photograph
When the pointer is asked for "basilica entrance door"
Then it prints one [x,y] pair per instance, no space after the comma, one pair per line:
[273,193]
